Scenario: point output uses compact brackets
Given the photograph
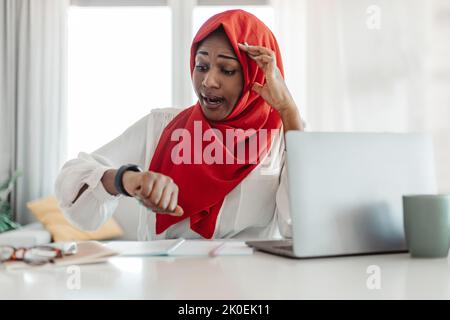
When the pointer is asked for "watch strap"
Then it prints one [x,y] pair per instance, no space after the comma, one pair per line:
[118,180]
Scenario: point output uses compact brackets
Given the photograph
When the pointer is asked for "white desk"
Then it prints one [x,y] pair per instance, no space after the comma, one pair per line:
[260,276]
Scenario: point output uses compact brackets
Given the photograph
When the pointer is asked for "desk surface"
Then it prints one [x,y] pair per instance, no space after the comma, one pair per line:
[260,276]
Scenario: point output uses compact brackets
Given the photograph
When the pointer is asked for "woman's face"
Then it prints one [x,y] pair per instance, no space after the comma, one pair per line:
[217,78]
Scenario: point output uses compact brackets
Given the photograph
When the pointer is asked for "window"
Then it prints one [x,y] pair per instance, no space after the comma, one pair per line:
[119,69]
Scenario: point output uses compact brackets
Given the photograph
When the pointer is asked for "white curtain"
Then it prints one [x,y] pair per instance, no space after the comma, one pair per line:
[34,59]
[439,89]
[6,95]
[365,65]
[291,33]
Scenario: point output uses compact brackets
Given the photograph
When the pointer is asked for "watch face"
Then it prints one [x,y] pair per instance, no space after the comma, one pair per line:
[133,167]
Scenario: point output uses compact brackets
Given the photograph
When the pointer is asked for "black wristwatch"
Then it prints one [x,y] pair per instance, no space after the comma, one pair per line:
[118,183]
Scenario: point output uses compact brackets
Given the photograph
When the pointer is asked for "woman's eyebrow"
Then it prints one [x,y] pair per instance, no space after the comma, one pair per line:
[205,53]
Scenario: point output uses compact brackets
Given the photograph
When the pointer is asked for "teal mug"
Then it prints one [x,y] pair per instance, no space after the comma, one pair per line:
[426,221]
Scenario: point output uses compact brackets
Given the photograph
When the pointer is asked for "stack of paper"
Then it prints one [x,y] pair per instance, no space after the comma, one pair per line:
[181,247]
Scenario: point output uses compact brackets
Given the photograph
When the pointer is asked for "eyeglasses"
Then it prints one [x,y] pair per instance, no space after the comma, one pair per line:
[37,255]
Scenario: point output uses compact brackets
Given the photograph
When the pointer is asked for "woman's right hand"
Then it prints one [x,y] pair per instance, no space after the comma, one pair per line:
[154,190]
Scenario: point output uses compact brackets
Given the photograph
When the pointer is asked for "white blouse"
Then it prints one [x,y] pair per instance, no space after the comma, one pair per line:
[257,208]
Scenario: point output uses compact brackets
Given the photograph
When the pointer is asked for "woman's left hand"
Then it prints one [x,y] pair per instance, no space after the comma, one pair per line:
[274,91]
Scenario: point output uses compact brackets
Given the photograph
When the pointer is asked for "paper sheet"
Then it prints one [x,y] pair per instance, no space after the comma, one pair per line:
[187,248]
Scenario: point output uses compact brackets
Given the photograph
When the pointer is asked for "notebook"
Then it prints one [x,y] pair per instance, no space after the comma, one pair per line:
[181,247]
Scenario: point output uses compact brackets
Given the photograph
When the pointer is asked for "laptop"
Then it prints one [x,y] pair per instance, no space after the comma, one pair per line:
[345,191]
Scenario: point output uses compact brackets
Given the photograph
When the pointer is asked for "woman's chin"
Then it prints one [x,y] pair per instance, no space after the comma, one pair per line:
[214,114]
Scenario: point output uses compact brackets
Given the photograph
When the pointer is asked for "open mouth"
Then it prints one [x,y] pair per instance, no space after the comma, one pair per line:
[212,102]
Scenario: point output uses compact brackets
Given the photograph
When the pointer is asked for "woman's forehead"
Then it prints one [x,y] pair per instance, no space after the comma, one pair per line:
[216,42]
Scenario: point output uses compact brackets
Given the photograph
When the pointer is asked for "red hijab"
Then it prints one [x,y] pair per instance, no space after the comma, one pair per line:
[203,187]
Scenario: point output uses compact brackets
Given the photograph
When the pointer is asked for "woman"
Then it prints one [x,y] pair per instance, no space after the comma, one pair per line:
[205,178]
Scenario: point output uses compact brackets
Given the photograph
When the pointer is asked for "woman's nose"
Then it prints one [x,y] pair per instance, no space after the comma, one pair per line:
[210,80]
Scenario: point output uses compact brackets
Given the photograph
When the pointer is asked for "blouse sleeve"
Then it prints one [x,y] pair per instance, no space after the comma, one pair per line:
[95,205]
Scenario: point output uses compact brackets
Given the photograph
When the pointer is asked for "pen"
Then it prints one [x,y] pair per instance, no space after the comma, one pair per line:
[215,252]
[175,246]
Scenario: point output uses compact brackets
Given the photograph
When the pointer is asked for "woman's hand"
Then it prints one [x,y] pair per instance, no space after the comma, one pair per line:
[154,190]
[274,91]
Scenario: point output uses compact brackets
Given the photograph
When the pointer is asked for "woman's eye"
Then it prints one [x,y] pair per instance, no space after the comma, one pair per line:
[229,72]
[200,68]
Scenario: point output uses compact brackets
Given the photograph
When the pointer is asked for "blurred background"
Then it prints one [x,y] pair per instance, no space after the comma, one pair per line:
[75,74]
